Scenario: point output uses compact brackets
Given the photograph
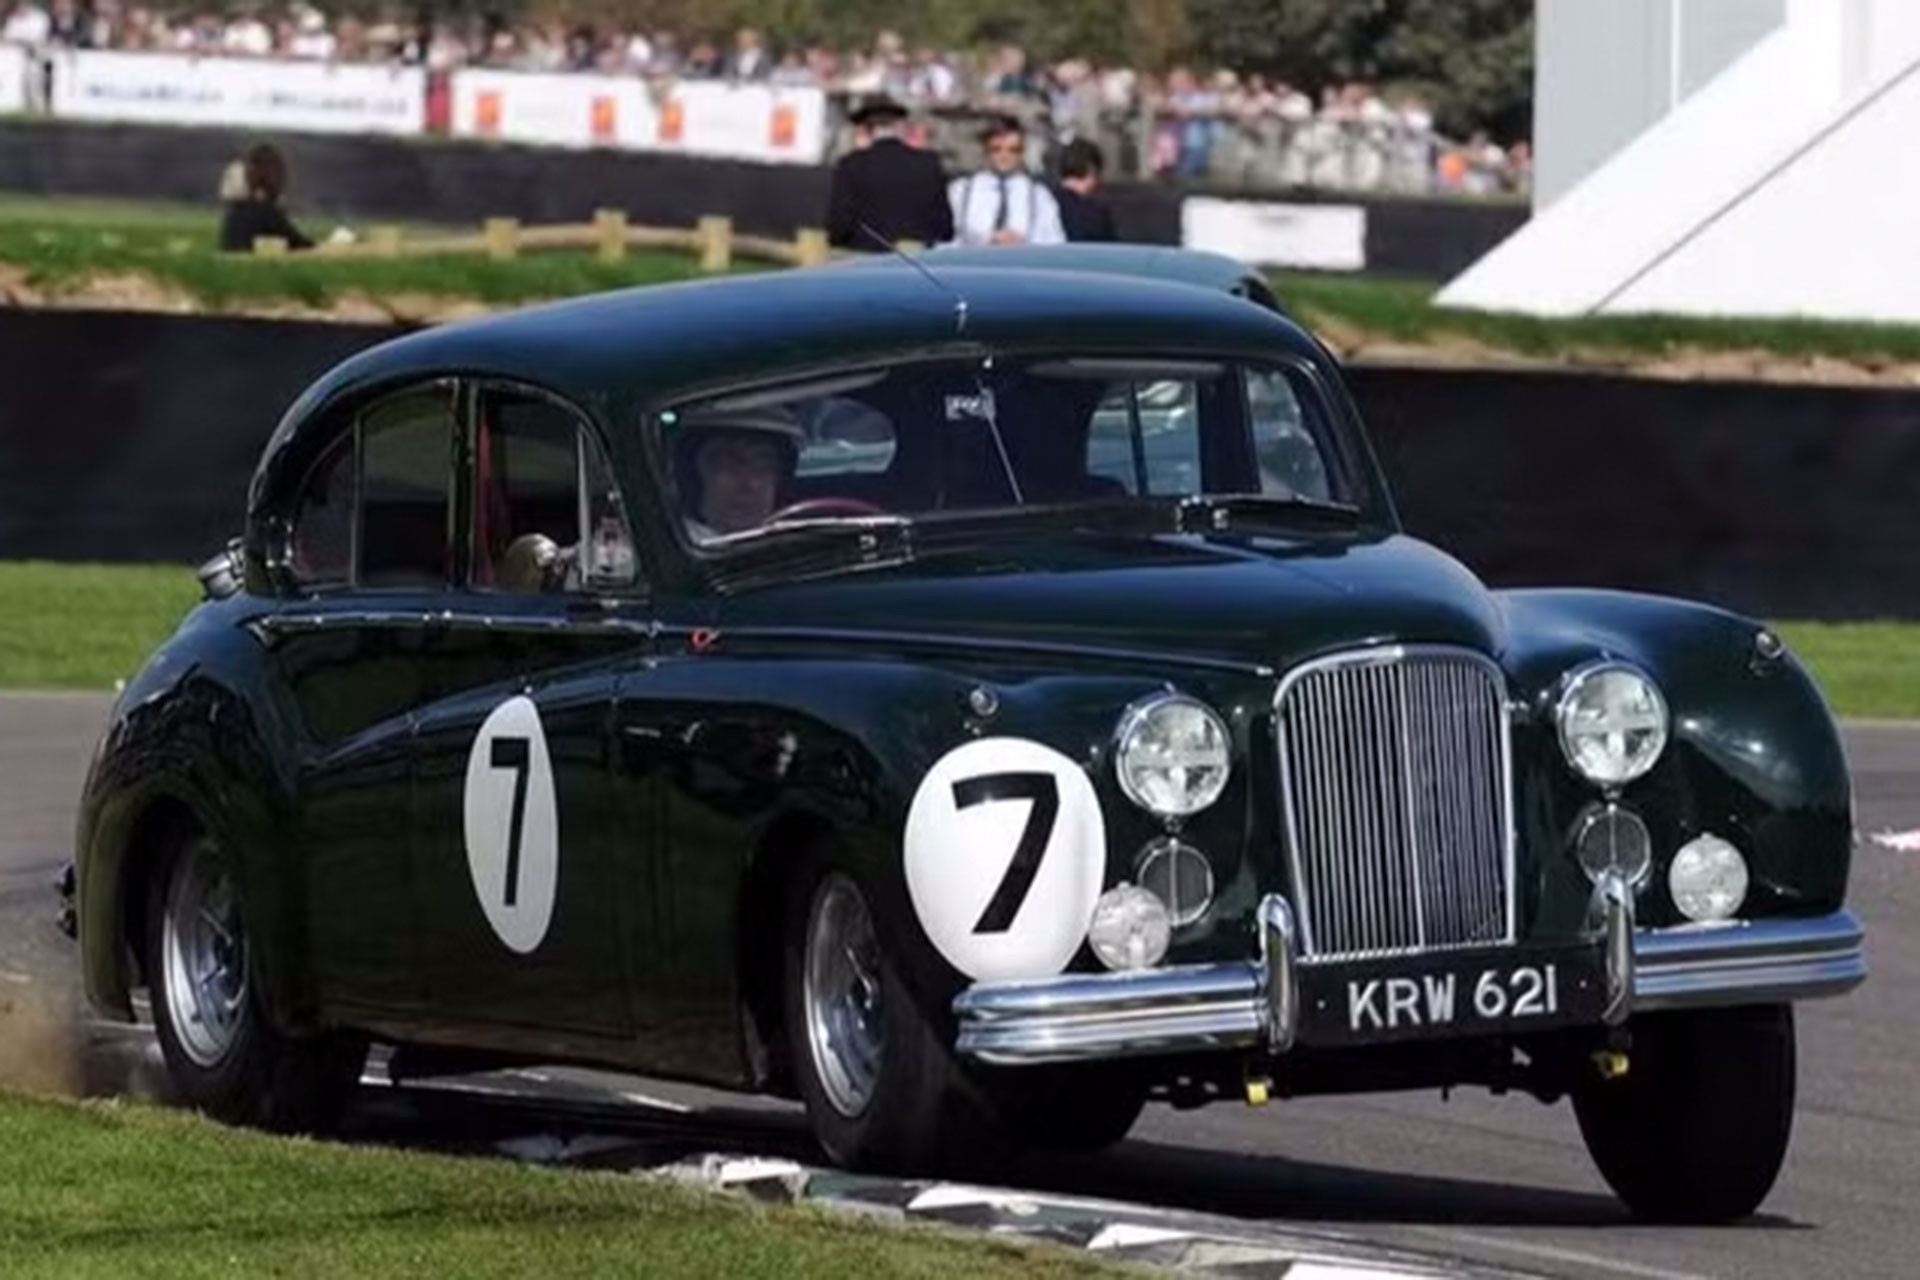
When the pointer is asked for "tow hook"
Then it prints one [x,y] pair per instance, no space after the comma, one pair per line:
[68,922]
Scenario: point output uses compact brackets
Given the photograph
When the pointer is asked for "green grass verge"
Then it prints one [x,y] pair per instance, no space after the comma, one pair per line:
[83,626]
[116,1190]
[1868,669]
[59,244]
[1403,311]
[66,626]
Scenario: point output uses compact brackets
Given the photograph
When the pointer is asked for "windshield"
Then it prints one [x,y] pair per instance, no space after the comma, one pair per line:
[938,438]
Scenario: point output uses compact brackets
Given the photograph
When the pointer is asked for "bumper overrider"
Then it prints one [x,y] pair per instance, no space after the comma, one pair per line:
[1258,1003]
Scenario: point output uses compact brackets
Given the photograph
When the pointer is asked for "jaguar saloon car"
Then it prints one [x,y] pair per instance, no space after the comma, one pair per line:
[975,695]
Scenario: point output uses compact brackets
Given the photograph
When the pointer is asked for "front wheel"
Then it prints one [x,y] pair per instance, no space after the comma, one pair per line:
[1697,1129]
[882,1089]
[223,1056]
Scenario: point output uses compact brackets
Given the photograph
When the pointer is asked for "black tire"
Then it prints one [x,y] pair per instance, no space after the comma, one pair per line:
[1071,1109]
[922,1114]
[1697,1129]
[262,1078]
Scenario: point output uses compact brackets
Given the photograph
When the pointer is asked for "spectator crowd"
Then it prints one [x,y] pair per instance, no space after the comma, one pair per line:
[1216,126]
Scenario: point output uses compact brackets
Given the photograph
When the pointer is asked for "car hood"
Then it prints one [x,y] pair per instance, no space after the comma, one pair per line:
[1261,601]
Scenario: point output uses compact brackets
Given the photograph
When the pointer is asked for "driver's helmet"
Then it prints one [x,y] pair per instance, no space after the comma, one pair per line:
[695,427]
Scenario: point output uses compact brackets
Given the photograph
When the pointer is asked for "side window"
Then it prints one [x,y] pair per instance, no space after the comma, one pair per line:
[844,436]
[406,449]
[323,520]
[1145,436]
[1286,448]
[546,511]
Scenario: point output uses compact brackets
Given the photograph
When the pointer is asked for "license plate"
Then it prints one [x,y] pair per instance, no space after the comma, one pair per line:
[1423,997]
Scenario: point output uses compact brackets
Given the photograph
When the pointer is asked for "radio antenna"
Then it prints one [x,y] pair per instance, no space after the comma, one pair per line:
[959,302]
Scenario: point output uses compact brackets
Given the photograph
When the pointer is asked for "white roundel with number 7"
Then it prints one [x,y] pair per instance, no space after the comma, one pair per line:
[1006,853]
[513,824]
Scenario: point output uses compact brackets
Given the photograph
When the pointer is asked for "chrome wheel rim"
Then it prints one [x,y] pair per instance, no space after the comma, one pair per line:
[203,957]
[843,995]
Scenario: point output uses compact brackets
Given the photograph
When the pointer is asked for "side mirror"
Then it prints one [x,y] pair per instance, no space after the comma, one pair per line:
[221,574]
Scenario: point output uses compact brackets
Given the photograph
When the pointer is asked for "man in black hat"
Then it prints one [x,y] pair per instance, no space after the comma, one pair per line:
[888,184]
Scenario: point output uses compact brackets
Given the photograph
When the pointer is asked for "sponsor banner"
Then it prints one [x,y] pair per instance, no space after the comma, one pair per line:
[262,93]
[703,118]
[554,110]
[1320,237]
[13,78]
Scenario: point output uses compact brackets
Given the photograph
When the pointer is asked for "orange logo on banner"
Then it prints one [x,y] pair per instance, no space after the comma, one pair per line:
[786,125]
[606,118]
[673,120]
[486,111]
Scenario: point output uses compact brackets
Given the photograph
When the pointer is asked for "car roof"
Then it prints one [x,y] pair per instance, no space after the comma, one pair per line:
[610,351]
[1199,267]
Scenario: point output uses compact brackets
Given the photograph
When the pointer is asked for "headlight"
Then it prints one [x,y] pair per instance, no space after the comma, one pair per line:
[1708,879]
[1173,755]
[1613,724]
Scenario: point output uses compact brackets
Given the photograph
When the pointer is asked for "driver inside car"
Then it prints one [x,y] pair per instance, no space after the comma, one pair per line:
[738,464]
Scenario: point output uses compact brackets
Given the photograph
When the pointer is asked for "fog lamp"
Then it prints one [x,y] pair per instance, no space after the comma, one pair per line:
[1130,929]
[1708,879]
[1614,839]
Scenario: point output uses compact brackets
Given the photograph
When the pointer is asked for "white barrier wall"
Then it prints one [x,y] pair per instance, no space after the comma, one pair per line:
[707,118]
[13,78]
[1780,187]
[253,93]
[1314,237]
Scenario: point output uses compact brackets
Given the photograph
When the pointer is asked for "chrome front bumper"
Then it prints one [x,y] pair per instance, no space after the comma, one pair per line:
[1195,1008]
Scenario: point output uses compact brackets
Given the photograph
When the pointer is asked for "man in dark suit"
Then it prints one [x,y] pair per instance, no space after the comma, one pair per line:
[1084,214]
[890,185]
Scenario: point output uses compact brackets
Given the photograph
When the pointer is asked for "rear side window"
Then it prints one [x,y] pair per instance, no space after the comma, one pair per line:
[406,450]
[547,514]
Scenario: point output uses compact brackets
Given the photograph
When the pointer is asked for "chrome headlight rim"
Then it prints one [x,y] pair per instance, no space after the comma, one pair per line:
[1139,713]
[1570,685]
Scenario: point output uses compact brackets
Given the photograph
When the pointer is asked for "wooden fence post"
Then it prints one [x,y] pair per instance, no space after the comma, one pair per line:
[270,246]
[610,231]
[385,241]
[810,246]
[503,237]
[716,243]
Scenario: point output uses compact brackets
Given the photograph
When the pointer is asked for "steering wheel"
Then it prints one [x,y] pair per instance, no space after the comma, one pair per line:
[826,507]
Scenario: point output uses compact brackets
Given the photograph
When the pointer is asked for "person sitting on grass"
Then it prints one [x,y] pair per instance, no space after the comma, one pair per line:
[257,212]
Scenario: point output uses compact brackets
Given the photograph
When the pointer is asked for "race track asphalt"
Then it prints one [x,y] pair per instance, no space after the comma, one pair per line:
[1503,1181]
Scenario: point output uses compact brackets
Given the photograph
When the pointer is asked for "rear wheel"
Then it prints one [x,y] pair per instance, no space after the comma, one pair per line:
[882,1089]
[1697,1129]
[223,1056]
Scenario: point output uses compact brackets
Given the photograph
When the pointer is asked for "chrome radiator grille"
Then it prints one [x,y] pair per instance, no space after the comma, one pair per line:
[1394,775]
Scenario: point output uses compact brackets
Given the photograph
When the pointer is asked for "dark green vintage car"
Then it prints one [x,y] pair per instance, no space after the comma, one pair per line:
[975,695]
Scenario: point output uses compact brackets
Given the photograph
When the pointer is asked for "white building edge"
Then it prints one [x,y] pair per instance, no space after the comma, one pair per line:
[1719,157]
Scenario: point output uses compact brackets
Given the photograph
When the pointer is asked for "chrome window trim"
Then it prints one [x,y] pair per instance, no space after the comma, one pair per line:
[1387,655]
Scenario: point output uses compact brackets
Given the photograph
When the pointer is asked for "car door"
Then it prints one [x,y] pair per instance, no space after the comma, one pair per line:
[369,555]
[527,863]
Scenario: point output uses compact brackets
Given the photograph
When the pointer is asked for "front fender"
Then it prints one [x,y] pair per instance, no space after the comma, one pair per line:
[187,745]
[1754,754]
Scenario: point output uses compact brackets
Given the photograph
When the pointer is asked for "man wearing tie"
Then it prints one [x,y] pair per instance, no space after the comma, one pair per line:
[1003,203]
